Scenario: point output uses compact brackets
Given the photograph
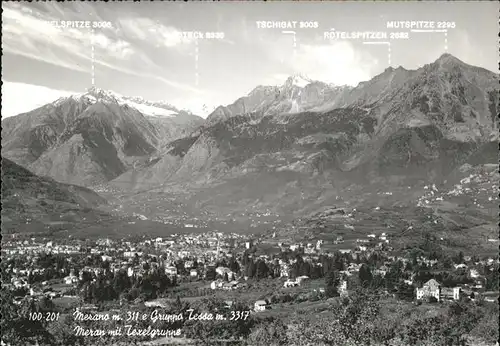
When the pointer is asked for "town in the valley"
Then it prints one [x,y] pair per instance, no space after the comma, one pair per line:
[234,267]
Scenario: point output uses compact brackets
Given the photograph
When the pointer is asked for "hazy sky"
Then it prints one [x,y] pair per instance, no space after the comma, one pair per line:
[142,54]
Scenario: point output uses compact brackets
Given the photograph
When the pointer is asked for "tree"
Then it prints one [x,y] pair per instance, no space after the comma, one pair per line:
[86,278]
[377,281]
[409,267]
[396,269]
[492,278]
[414,255]
[404,291]
[272,333]
[45,305]
[316,272]
[105,265]
[262,271]
[17,327]
[420,331]
[393,275]
[233,265]
[365,275]
[430,299]
[210,274]
[447,262]
[178,303]
[351,323]
[250,269]
[339,263]
[332,281]
[459,258]
[487,327]
[305,269]
[423,276]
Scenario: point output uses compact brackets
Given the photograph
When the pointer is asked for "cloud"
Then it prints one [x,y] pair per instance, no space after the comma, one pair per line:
[29,33]
[34,36]
[225,40]
[157,34]
[118,49]
[19,98]
[339,63]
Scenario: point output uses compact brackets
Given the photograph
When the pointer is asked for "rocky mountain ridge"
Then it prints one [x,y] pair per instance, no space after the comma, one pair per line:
[400,128]
[93,137]
[297,94]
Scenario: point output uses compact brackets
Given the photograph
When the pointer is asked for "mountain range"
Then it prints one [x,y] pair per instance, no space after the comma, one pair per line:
[288,149]
[297,94]
[93,137]
[401,124]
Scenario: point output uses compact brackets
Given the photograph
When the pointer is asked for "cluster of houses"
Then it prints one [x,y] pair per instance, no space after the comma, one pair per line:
[177,216]
[297,282]
[198,253]
[475,185]
[224,285]
[32,247]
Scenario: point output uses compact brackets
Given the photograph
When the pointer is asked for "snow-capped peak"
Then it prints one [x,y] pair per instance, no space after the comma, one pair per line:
[105,95]
[149,108]
[92,95]
[298,80]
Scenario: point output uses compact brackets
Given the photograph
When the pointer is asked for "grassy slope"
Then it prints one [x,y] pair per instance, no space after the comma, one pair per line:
[31,203]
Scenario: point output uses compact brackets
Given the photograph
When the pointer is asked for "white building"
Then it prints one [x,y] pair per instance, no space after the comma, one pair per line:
[170,270]
[473,273]
[69,280]
[224,270]
[302,279]
[290,283]
[184,254]
[284,270]
[260,305]
[106,258]
[430,289]
[216,284]
[318,244]
[130,272]
[342,289]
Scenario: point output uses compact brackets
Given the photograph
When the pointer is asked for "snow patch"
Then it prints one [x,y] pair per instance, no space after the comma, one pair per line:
[150,110]
[93,95]
[300,81]
[90,98]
